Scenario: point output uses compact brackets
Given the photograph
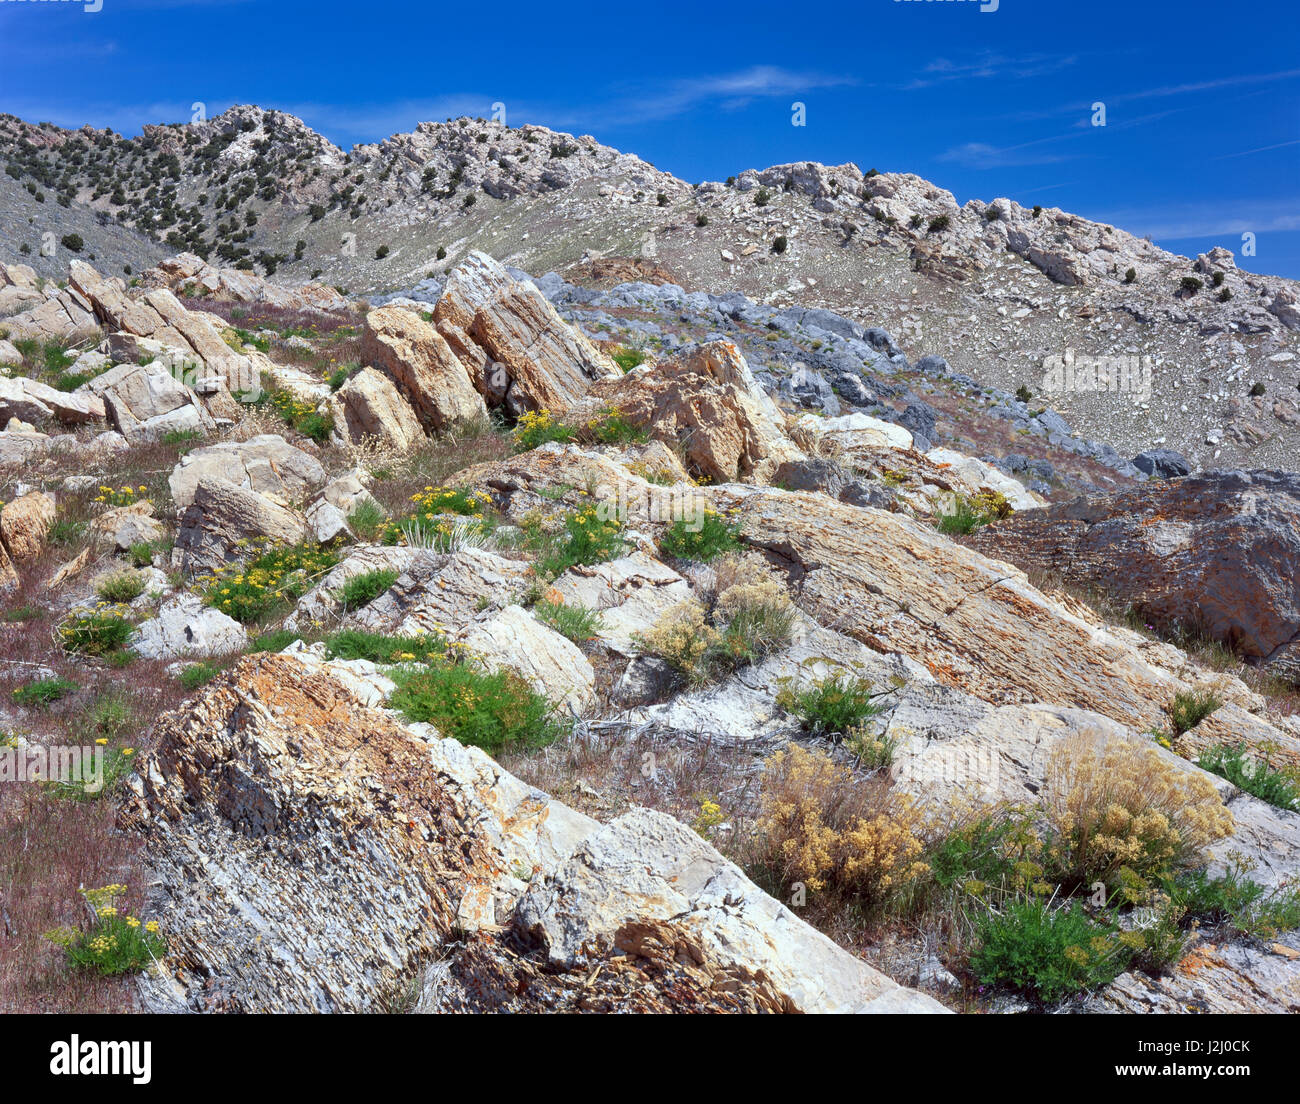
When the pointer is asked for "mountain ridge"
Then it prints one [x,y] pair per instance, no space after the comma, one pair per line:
[997,289]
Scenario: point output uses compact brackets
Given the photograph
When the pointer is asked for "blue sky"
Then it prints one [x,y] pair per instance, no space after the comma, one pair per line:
[1202,141]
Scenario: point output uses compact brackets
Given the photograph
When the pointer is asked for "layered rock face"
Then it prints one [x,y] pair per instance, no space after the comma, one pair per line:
[351,847]
[1217,553]
[492,341]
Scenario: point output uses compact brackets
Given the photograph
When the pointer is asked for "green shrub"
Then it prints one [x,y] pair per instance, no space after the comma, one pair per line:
[111,716]
[537,427]
[141,554]
[1257,778]
[367,520]
[275,641]
[939,223]
[833,705]
[383,648]
[299,414]
[432,521]
[1052,954]
[1235,900]
[1191,707]
[363,589]
[198,674]
[587,539]
[702,538]
[627,357]
[495,711]
[612,428]
[1190,283]
[96,632]
[964,515]
[780,244]
[1023,394]
[577,622]
[124,587]
[873,750]
[996,849]
[66,531]
[42,692]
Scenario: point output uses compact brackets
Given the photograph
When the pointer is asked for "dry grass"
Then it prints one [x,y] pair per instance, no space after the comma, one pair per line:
[620,766]
[52,845]
[49,848]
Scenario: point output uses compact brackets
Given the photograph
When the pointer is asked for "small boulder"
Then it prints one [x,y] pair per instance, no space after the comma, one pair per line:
[24,524]
[186,627]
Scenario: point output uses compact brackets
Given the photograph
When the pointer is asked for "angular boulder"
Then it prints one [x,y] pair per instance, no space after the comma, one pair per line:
[369,407]
[24,524]
[706,401]
[531,358]
[417,358]
[221,515]
[186,627]
[267,464]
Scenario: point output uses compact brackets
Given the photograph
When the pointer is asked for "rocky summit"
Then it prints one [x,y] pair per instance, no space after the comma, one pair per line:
[564,625]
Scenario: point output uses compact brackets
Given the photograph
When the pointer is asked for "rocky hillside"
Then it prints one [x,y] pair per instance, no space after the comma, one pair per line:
[525,647]
[1190,353]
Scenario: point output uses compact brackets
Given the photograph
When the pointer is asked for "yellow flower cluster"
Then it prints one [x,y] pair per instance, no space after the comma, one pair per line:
[274,574]
[709,817]
[119,496]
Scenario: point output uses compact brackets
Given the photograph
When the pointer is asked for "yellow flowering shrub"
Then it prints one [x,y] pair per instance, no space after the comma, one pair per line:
[821,825]
[274,576]
[1121,803]
[682,638]
[116,943]
[536,427]
[433,518]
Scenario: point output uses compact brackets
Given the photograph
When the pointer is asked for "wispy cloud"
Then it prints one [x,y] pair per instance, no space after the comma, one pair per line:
[1190,88]
[1220,218]
[982,155]
[1260,149]
[990,65]
[652,102]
